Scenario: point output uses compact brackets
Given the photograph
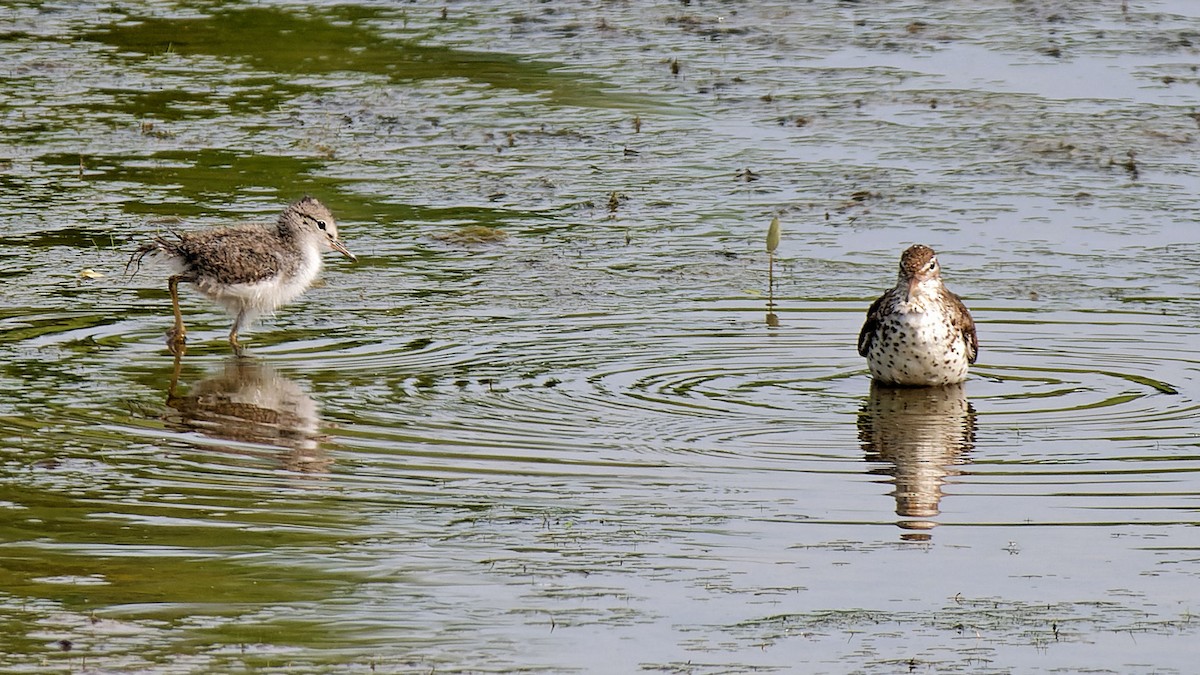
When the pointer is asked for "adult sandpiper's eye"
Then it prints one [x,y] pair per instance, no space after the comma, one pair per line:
[321,224]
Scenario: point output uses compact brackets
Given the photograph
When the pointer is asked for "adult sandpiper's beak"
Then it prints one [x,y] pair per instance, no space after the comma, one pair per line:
[341,248]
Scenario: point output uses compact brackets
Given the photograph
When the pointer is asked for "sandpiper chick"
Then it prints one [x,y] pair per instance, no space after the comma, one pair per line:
[249,269]
[918,333]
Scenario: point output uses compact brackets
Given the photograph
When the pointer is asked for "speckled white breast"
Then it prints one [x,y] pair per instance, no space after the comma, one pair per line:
[914,347]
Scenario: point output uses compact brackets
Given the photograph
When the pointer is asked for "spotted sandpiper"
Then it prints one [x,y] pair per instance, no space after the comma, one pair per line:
[249,269]
[918,333]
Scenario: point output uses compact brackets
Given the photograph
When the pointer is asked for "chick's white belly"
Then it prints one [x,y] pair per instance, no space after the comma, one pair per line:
[262,297]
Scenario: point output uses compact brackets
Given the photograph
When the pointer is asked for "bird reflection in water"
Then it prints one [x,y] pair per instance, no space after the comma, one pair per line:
[249,403]
[922,432]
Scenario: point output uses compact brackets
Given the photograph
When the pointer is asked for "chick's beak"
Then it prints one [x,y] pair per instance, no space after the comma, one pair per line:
[341,248]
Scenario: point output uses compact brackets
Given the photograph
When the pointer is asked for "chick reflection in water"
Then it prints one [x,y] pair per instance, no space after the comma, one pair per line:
[922,432]
[249,403]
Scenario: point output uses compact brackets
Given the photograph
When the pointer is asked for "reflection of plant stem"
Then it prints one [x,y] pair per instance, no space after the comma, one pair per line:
[772,244]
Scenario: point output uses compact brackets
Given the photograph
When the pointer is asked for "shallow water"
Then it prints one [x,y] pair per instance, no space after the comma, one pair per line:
[583,446]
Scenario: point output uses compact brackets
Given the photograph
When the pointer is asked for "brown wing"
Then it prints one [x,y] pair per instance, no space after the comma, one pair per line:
[966,328]
[234,255]
[871,325]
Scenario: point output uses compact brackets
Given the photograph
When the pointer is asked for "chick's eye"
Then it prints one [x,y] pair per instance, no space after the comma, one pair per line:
[321,224]
[932,264]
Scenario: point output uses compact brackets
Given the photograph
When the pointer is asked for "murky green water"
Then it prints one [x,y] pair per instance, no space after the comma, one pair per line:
[581,447]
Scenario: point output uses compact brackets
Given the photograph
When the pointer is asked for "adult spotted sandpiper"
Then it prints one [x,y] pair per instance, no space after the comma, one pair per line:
[918,333]
[249,269]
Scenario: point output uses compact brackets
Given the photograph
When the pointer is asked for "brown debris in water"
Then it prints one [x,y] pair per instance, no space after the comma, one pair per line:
[472,234]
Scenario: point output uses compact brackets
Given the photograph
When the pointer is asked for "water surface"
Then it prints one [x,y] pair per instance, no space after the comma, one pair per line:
[582,446]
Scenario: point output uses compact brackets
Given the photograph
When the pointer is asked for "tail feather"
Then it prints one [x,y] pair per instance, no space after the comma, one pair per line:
[158,245]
